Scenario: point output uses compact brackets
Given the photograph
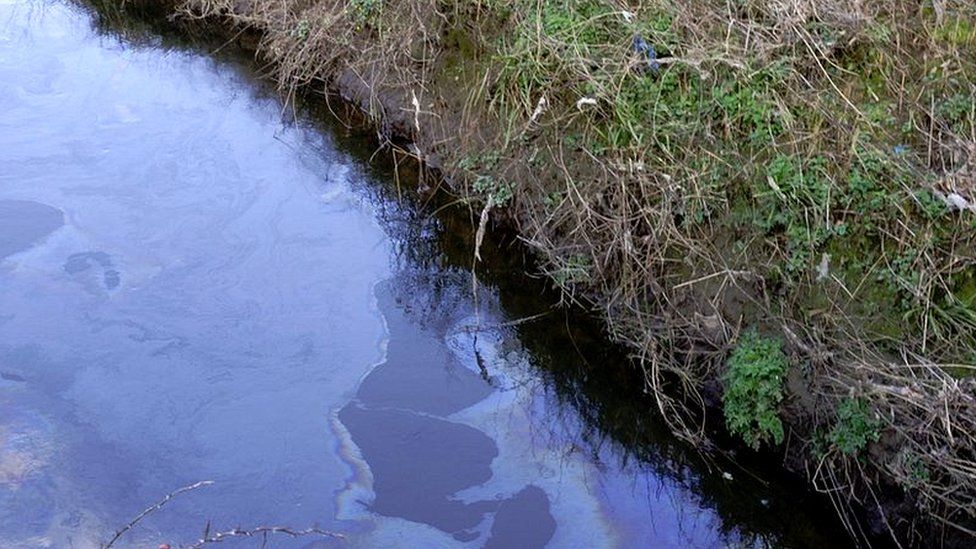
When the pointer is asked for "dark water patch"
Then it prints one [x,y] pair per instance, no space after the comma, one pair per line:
[23,223]
[419,374]
[523,521]
[10,376]
[419,463]
[81,262]
[78,263]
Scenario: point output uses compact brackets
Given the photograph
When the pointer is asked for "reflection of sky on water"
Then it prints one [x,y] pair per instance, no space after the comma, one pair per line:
[208,300]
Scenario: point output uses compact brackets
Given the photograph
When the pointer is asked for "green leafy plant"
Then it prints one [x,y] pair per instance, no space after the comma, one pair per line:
[918,471]
[956,109]
[302,30]
[364,9]
[576,269]
[856,427]
[498,192]
[754,389]
[581,22]
[931,206]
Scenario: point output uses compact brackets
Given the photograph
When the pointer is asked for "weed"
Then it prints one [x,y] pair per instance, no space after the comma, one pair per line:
[957,110]
[929,205]
[855,427]
[482,162]
[912,470]
[746,110]
[576,269]
[497,192]
[364,9]
[553,199]
[302,29]
[754,389]
[577,22]
[866,190]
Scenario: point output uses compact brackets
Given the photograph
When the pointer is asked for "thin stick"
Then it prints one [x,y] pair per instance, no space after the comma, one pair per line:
[154,508]
[263,531]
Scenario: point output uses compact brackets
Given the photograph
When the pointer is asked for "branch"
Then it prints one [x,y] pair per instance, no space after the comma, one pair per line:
[154,508]
[264,531]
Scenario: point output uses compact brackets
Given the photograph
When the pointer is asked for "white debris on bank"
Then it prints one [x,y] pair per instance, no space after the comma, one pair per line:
[955,201]
[585,101]
[958,202]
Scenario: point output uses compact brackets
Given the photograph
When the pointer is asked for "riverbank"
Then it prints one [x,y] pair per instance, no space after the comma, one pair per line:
[772,207]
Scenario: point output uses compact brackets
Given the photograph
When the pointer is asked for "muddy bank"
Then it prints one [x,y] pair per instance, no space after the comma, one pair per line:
[856,385]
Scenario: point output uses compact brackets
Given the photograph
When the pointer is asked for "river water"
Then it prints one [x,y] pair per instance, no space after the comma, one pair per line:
[197,286]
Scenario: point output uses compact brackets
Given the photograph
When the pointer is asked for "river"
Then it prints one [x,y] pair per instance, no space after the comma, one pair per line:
[198,284]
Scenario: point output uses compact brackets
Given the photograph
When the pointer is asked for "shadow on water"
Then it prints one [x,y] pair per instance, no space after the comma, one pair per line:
[592,395]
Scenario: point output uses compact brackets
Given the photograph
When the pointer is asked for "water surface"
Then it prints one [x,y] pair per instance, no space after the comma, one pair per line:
[195,286]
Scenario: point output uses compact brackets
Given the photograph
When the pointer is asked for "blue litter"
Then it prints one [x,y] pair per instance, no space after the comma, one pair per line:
[642,47]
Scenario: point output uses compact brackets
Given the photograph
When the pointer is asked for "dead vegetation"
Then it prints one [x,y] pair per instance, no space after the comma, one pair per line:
[802,168]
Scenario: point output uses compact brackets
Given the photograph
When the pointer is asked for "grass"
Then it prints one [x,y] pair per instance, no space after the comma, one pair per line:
[803,196]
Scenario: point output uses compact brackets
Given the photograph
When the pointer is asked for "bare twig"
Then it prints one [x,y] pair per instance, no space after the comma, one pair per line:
[262,531]
[158,505]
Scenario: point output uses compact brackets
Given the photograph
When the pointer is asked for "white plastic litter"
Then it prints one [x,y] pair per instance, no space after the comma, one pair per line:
[584,101]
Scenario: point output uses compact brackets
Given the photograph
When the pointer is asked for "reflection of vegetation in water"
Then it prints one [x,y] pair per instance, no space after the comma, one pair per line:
[131,21]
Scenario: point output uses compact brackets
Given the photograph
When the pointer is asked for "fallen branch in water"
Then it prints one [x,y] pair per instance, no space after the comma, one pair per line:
[154,508]
[260,531]
[508,324]
[219,536]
